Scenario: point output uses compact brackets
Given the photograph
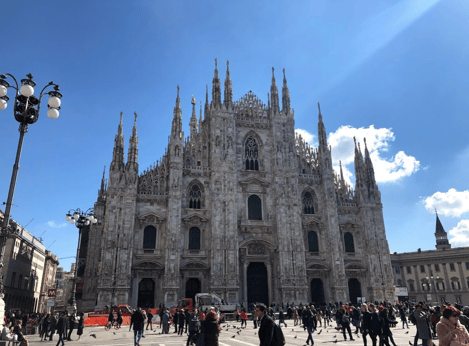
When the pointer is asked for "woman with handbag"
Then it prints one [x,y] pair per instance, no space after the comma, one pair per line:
[450,332]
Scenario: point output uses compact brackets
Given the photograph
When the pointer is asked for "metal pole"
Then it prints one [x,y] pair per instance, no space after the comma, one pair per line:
[74,288]
[6,217]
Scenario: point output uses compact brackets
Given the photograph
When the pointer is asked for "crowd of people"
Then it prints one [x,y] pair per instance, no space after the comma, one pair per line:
[447,323]
[61,323]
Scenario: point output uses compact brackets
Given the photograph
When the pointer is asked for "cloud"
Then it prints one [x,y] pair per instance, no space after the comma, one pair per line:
[308,137]
[460,234]
[452,203]
[54,224]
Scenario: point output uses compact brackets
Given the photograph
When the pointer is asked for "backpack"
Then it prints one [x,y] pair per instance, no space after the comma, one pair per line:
[278,339]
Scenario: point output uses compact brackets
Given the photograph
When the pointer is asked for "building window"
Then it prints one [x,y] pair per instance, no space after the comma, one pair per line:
[194,197]
[194,238]
[13,279]
[397,269]
[409,271]
[308,207]
[254,208]
[20,281]
[437,267]
[313,245]
[467,265]
[399,282]
[348,240]
[411,287]
[451,267]
[149,237]
[251,151]
[455,285]
[422,269]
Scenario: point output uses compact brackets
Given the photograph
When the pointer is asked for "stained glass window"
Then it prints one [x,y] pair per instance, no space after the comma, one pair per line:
[313,245]
[308,207]
[251,150]
[348,240]
[194,197]
[254,208]
[149,237]
[194,238]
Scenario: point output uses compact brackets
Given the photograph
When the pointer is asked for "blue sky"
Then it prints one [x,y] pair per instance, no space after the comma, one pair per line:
[393,71]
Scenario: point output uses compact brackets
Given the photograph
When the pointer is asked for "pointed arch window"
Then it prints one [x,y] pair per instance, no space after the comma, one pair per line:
[194,238]
[349,244]
[251,151]
[149,237]
[194,197]
[308,207]
[254,208]
[313,245]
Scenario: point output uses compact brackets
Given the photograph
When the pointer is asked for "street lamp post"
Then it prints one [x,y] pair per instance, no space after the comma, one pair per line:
[26,112]
[80,219]
[432,280]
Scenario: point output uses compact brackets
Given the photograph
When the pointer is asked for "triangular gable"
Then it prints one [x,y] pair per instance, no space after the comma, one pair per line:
[254,180]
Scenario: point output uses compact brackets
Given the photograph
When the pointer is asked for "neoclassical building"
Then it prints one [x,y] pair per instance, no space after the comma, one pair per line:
[242,207]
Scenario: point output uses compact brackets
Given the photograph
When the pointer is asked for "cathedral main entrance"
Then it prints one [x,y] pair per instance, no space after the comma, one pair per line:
[317,292]
[354,290]
[192,288]
[146,293]
[257,283]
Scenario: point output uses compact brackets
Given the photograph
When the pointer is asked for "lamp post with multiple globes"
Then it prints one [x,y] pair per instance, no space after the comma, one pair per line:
[26,111]
[432,282]
[80,219]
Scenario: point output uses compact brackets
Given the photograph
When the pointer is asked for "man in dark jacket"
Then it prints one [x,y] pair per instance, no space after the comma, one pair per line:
[53,324]
[62,328]
[266,329]
[175,321]
[71,324]
[181,321]
[310,323]
[375,324]
[138,321]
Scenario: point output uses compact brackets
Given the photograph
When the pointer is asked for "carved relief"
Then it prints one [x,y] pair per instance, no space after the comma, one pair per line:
[256,249]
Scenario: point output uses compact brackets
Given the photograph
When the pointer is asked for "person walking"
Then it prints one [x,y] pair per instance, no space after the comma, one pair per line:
[71,324]
[181,321]
[194,327]
[266,329]
[45,327]
[149,319]
[138,321]
[344,320]
[244,317]
[423,329]
[53,324]
[166,321]
[62,329]
[375,324]
[80,324]
[310,323]
[281,318]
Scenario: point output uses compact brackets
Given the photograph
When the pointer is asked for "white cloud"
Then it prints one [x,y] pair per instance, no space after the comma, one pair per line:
[308,137]
[387,169]
[452,203]
[460,234]
[54,224]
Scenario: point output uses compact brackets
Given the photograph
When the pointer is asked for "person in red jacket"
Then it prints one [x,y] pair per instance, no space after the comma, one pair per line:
[244,317]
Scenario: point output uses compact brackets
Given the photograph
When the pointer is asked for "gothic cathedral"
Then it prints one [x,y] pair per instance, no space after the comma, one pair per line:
[243,208]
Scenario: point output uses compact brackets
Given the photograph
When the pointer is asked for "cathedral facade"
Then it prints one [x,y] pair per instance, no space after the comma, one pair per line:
[242,207]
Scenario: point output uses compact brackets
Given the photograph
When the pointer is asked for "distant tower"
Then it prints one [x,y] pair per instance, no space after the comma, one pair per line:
[441,236]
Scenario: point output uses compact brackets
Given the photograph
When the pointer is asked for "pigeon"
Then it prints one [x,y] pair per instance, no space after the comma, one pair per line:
[296,336]
[93,335]
[358,335]
[320,332]
[327,331]
[411,344]
[407,332]
[335,336]
[234,336]
[335,341]
[114,333]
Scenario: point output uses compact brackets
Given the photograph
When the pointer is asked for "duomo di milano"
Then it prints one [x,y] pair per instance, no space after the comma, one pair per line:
[242,207]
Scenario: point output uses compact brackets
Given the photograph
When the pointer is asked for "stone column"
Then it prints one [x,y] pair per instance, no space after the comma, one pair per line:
[245,284]
[448,287]
[269,279]
[417,281]
[461,277]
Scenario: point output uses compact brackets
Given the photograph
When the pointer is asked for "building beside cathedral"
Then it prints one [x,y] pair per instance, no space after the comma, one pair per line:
[242,207]
[435,276]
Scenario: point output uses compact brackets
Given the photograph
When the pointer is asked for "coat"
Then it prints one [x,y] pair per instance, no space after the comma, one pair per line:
[266,331]
[448,332]
[422,325]
[211,331]
[62,325]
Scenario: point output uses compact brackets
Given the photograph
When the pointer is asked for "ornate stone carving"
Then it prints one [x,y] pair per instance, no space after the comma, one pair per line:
[256,249]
